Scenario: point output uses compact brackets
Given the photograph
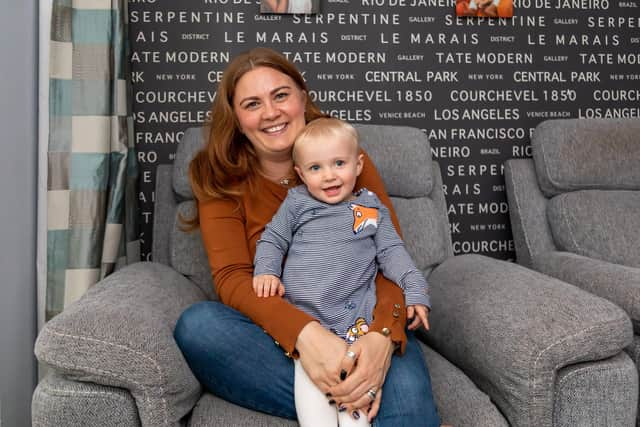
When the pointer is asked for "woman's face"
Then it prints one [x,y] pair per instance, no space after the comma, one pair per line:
[269,107]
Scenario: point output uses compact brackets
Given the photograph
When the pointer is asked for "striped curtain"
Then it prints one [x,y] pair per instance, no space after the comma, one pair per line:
[91,164]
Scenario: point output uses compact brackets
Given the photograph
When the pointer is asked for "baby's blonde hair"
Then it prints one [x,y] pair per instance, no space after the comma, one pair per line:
[325,127]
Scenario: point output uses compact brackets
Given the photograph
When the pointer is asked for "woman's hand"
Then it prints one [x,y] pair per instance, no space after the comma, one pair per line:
[366,371]
[321,353]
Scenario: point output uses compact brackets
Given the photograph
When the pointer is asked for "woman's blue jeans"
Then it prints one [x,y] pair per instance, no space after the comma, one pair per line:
[236,360]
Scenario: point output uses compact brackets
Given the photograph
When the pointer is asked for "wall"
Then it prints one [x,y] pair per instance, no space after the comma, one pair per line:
[477,87]
[18,172]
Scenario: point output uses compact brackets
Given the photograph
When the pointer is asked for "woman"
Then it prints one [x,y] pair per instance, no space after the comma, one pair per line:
[239,180]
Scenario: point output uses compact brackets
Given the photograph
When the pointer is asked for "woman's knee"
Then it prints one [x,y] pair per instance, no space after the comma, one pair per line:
[200,318]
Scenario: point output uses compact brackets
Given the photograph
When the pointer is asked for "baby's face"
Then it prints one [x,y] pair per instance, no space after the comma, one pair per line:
[329,168]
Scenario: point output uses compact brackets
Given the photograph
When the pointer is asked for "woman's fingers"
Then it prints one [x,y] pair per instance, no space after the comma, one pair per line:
[348,362]
[374,357]
[352,387]
[321,353]
[373,352]
[366,399]
[375,406]
[358,397]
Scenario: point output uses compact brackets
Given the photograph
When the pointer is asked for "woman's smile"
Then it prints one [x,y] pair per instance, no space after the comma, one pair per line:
[275,129]
[269,107]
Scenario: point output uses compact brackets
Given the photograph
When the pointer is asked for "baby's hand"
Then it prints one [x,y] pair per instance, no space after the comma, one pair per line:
[267,285]
[418,314]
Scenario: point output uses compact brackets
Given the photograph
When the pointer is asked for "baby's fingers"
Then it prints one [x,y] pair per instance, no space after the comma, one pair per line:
[257,286]
[424,317]
[273,287]
[410,312]
[415,323]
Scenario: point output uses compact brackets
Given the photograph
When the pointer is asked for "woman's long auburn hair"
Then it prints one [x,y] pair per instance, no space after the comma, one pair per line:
[228,164]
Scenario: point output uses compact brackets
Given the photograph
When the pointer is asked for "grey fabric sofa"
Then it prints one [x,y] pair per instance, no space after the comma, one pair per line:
[575,209]
[508,346]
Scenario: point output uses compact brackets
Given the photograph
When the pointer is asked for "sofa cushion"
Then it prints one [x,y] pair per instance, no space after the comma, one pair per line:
[380,142]
[598,224]
[418,218]
[587,154]
[192,141]
[187,254]
[459,403]
[407,172]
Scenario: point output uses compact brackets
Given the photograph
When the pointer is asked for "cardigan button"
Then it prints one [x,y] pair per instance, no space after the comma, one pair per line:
[396,305]
[386,332]
[395,314]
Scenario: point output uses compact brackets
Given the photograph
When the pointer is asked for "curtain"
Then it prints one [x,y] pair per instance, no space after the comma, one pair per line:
[44,31]
[91,164]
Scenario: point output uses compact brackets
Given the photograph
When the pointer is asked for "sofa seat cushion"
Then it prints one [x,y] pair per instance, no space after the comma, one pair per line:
[598,224]
[459,403]
[212,411]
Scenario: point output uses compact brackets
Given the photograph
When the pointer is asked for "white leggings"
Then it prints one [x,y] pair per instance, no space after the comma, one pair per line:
[313,406]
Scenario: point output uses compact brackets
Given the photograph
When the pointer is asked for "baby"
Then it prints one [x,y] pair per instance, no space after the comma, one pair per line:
[334,241]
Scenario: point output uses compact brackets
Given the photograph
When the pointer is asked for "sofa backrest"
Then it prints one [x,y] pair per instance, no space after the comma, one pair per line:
[402,155]
[593,154]
[601,224]
[588,178]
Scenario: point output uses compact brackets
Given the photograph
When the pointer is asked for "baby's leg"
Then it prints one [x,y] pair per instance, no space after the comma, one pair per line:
[312,406]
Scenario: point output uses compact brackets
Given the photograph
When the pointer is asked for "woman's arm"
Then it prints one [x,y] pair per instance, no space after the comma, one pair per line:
[389,312]
[225,240]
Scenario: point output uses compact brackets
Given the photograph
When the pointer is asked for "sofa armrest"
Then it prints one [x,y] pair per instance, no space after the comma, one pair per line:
[120,333]
[617,283]
[58,401]
[527,211]
[510,329]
